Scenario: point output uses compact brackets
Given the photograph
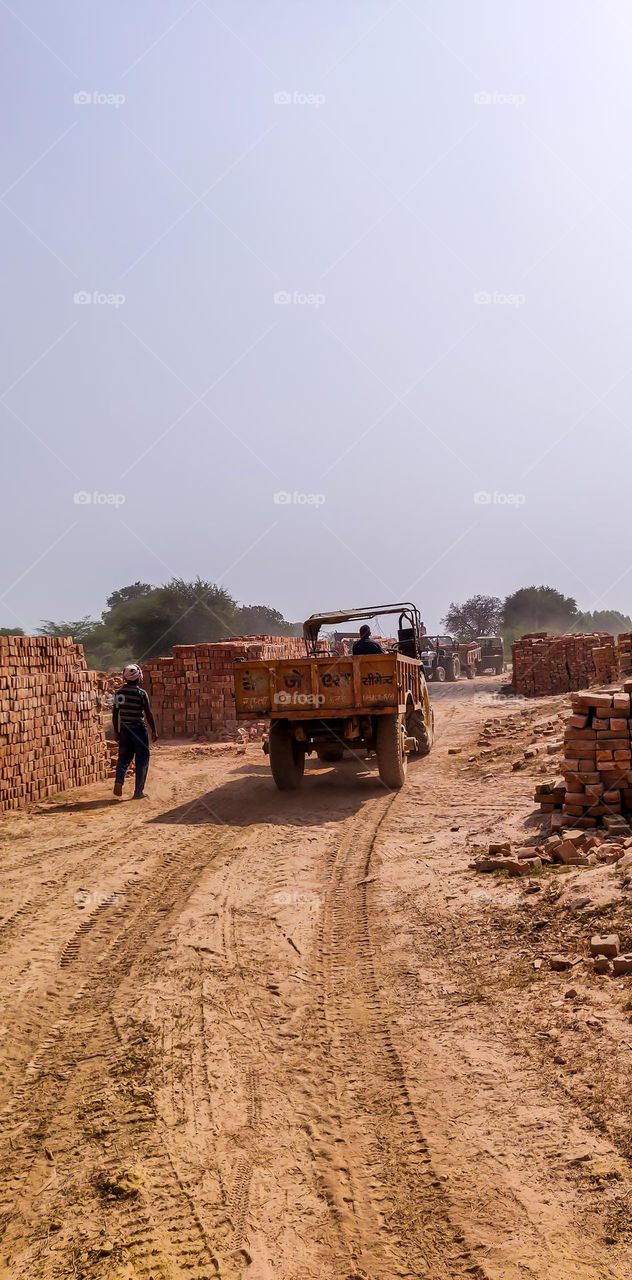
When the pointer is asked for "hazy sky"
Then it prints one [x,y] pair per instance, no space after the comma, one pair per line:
[441,188]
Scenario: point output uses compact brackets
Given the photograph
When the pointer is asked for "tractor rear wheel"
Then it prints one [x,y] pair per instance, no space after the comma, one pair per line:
[452,668]
[391,752]
[287,757]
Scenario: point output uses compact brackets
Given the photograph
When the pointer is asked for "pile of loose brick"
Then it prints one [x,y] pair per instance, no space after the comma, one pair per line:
[569,848]
[109,682]
[596,789]
[51,735]
[545,664]
[193,692]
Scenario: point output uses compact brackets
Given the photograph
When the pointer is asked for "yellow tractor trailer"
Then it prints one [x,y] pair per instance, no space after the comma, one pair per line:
[326,704]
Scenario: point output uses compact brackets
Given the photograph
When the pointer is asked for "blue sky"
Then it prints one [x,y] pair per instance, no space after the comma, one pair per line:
[371,258]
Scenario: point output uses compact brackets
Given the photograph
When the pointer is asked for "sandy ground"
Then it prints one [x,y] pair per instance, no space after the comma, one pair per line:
[271,1036]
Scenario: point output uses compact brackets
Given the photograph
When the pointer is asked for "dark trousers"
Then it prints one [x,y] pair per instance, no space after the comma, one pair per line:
[133,745]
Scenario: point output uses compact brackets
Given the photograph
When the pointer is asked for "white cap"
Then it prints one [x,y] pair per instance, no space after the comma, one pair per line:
[132,671]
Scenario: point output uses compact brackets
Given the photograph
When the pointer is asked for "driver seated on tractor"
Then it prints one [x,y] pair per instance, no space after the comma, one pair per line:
[365,644]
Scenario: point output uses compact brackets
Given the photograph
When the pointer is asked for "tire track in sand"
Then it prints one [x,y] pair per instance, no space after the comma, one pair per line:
[66,1077]
[391,1208]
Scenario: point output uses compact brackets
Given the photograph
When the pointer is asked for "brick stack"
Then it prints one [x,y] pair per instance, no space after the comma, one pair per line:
[193,692]
[624,644]
[598,759]
[558,664]
[109,682]
[51,736]
[606,661]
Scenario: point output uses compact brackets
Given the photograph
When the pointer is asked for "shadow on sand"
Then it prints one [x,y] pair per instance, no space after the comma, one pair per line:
[327,795]
[77,806]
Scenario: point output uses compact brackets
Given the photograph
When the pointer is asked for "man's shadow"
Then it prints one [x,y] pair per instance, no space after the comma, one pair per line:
[77,806]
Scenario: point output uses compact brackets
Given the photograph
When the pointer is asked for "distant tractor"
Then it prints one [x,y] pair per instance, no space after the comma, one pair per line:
[470,655]
[445,659]
[492,655]
[440,658]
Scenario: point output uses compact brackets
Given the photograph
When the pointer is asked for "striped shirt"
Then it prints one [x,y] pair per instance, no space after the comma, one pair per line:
[132,703]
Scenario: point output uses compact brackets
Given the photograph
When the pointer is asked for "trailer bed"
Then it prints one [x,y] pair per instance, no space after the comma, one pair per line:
[313,687]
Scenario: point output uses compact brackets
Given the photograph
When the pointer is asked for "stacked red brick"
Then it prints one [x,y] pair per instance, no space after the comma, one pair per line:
[193,692]
[558,664]
[51,735]
[624,644]
[598,759]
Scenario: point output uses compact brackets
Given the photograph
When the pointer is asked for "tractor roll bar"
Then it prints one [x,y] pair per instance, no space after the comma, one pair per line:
[407,612]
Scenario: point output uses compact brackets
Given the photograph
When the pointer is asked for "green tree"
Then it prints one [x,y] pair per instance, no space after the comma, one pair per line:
[143,622]
[133,592]
[11,631]
[539,609]
[80,630]
[259,620]
[178,613]
[104,650]
[609,620]
[478,616]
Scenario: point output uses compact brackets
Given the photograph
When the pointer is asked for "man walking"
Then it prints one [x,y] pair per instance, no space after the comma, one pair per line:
[130,711]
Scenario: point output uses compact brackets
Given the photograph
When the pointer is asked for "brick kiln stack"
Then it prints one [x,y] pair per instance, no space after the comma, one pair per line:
[193,692]
[51,735]
[559,664]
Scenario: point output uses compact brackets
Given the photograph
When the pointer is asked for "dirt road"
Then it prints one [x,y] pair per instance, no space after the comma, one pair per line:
[293,1037]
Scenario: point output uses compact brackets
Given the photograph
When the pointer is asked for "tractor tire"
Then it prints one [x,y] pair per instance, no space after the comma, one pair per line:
[330,755]
[416,727]
[499,667]
[469,671]
[287,757]
[392,760]
[453,668]
[439,674]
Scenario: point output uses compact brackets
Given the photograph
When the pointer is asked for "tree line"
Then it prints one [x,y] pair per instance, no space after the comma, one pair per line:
[142,621]
[528,609]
